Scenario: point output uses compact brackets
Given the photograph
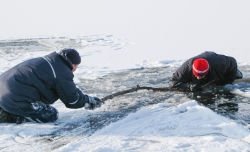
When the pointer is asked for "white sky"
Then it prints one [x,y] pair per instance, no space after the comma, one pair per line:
[179,28]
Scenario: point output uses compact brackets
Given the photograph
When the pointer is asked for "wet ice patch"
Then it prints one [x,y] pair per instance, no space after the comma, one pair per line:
[241,88]
[162,127]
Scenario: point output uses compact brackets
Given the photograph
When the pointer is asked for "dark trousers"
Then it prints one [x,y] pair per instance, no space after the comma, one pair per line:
[38,112]
[6,117]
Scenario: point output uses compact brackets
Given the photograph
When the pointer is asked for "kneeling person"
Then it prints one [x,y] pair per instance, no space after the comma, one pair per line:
[29,88]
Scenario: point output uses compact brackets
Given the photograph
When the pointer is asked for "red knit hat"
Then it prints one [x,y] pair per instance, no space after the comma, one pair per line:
[200,67]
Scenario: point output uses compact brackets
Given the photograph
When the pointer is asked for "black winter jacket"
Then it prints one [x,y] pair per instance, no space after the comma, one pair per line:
[45,79]
[222,70]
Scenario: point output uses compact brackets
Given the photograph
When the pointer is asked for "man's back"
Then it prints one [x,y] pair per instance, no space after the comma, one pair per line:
[26,82]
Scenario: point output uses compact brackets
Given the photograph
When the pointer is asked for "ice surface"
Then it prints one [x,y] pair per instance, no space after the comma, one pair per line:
[162,127]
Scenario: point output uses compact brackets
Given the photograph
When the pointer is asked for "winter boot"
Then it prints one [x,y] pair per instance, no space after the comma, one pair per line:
[5,117]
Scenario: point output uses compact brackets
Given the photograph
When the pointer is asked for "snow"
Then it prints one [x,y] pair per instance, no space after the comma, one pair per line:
[162,127]
[114,36]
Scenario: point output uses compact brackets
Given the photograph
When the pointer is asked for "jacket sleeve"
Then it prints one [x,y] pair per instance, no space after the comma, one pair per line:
[231,70]
[69,94]
[183,73]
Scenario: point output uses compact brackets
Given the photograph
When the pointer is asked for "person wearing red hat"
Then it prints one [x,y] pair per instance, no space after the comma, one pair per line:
[204,69]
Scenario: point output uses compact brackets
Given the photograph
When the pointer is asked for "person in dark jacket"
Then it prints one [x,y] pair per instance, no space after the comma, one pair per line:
[29,88]
[206,69]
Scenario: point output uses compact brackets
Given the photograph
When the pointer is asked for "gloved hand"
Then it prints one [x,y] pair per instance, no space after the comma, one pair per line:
[93,103]
[194,87]
[177,85]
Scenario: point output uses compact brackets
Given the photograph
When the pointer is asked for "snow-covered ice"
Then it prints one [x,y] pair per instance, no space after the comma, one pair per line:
[162,127]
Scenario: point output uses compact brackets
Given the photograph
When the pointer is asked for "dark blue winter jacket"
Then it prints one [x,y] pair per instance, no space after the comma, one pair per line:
[45,79]
[222,70]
